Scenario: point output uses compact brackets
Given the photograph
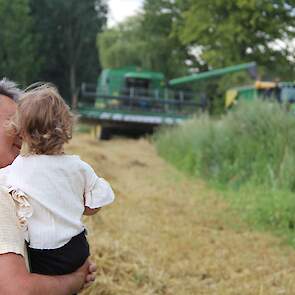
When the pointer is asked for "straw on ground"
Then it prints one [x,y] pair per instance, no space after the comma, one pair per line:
[169,235]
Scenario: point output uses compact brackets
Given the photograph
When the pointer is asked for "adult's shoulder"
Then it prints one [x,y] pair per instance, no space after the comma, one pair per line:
[5,199]
[11,236]
[7,208]
[3,175]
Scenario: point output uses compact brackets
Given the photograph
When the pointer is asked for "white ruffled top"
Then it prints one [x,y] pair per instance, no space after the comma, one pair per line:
[51,193]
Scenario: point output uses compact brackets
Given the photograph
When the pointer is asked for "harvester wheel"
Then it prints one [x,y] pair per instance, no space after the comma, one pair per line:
[105,133]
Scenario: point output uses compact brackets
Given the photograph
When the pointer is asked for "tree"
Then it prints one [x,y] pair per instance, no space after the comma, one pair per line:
[18,47]
[178,37]
[166,50]
[234,31]
[68,47]
[146,40]
[122,45]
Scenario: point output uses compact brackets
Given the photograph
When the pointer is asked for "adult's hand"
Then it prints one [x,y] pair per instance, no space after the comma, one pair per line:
[87,272]
[90,278]
[15,279]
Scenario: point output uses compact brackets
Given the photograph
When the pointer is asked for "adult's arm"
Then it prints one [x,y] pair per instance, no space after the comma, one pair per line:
[15,279]
[14,276]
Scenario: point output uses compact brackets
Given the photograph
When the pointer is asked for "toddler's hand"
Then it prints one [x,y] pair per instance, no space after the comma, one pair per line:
[88,211]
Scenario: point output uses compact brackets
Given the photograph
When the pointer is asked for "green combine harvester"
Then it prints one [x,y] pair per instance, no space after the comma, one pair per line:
[132,100]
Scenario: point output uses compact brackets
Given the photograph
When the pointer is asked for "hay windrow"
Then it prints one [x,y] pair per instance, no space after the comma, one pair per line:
[122,271]
[170,235]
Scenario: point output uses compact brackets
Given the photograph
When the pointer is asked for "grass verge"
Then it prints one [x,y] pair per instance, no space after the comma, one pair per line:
[248,154]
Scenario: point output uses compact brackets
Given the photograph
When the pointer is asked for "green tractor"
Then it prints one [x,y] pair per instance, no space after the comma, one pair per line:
[282,92]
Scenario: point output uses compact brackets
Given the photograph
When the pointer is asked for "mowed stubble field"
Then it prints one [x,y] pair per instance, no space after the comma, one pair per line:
[170,235]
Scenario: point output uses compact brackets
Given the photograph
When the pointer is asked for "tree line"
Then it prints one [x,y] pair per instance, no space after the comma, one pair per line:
[67,42]
[51,40]
[178,36]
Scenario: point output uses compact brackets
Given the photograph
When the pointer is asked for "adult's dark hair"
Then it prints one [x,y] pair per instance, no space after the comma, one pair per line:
[9,88]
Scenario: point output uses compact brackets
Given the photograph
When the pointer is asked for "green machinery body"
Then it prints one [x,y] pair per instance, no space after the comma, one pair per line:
[123,81]
[282,92]
[133,99]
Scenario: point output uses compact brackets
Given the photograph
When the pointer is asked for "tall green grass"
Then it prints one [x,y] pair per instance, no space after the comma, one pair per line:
[248,153]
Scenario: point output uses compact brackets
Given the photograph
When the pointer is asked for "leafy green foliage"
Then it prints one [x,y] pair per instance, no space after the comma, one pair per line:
[249,153]
[55,40]
[122,45]
[178,37]
[145,41]
[68,32]
[18,46]
[235,31]
[167,53]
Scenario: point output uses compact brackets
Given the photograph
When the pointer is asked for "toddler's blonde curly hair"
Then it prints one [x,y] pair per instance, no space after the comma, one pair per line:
[43,120]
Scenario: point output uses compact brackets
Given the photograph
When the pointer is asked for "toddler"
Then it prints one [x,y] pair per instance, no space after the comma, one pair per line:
[52,189]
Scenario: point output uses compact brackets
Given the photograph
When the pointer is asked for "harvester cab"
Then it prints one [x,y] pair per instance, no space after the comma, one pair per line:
[135,84]
[129,81]
[143,83]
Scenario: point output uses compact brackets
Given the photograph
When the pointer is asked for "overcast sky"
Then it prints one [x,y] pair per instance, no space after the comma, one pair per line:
[120,9]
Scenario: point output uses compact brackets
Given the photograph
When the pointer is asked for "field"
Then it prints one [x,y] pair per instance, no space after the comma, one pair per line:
[248,154]
[167,234]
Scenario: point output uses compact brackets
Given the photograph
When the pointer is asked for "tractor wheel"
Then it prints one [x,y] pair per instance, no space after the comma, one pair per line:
[105,133]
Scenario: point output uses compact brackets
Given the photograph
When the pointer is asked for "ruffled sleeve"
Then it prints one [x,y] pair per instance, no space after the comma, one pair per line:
[99,194]
[23,208]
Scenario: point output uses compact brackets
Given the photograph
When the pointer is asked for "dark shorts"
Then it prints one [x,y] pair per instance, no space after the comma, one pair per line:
[60,261]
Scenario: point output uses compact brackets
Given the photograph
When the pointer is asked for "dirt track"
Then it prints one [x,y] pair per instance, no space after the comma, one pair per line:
[166,234]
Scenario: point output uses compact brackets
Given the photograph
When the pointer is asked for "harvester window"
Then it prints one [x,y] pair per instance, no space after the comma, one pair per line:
[137,89]
[137,86]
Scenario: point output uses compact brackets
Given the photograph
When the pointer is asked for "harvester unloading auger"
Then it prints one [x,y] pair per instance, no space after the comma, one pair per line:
[132,100]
